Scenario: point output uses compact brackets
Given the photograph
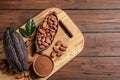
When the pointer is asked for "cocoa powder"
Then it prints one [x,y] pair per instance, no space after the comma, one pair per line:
[43,65]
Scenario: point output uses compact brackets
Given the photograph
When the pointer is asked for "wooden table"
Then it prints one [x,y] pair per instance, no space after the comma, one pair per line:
[99,20]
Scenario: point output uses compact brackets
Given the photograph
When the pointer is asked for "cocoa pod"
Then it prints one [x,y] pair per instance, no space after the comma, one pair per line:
[15,50]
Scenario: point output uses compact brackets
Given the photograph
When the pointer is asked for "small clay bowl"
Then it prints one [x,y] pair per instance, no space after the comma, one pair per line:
[43,65]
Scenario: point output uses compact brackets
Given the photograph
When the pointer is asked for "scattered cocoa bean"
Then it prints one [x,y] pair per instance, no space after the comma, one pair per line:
[58,43]
[26,74]
[64,45]
[4,70]
[19,76]
[26,78]
[29,65]
[58,49]
[1,61]
[29,78]
[59,54]
[53,54]
[2,66]
[27,43]
[62,48]
[55,49]
[43,53]
[10,73]
[31,38]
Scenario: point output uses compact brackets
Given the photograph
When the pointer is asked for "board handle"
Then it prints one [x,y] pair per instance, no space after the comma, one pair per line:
[69,27]
[68,33]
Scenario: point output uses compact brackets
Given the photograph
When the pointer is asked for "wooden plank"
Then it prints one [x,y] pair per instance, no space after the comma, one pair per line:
[63,4]
[101,45]
[90,68]
[86,20]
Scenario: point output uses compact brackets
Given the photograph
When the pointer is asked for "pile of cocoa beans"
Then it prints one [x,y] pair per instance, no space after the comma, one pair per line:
[58,49]
[46,31]
[5,69]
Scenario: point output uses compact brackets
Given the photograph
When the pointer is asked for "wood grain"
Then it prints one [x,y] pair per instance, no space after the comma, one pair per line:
[63,4]
[87,20]
[90,68]
[101,44]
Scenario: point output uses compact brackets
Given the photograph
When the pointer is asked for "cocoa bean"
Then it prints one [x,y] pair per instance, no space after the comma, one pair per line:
[38,34]
[4,70]
[55,23]
[59,54]
[45,44]
[55,49]
[52,38]
[19,76]
[64,45]
[62,48]
[26,78]
[39,42]
[48,35]
[39,38]
[53,19]
[52,33]
[43,53]
[26,74]
[48,40]
[53,54]
[44,24]
[58,43]
[2,66]
[41,46]
[41,31]
[55,27]
[43,40]
[27,43]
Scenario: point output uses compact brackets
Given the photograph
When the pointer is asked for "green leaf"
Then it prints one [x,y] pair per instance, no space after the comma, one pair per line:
[29,29]
[23,32]
[30,26]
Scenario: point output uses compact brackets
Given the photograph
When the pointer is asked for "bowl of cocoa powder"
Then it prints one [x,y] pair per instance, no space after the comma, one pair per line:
[43,65]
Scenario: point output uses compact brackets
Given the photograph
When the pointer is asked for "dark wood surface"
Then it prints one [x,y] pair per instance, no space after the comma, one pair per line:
[99,20]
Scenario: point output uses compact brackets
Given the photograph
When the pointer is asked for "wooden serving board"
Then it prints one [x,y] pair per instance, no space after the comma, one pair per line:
[68,33]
